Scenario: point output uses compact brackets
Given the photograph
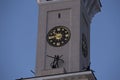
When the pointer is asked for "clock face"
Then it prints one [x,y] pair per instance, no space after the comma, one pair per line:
[58,36]
[84,46]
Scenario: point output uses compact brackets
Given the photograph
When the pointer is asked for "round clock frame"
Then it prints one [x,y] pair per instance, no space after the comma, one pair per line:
[58,36]
[84,46]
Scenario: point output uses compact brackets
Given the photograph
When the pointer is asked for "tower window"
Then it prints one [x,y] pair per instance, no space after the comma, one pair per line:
[59,15]
[48,0]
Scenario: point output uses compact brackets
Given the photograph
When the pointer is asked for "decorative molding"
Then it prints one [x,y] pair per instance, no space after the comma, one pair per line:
[86,75]
[92,7]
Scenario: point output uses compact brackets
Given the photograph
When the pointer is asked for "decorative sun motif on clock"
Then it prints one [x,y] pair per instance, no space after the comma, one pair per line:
[58,36]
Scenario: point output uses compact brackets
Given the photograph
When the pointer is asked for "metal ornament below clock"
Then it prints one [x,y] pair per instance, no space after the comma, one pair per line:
[58,36]
[57,61]
[84,46]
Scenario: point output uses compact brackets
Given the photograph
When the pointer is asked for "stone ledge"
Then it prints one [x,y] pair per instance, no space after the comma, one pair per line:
[52,72]
[86,75]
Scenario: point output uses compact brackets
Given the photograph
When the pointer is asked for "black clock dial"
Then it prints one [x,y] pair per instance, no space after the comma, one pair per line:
[84,46]
[58,36]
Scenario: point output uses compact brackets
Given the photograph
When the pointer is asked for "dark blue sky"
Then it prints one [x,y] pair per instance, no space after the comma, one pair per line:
[18,36]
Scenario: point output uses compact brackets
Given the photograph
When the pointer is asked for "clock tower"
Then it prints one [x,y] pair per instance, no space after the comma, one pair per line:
[64,35]
[63,45]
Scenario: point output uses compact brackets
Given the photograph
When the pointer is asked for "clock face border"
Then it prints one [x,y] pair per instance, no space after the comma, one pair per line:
[58,36]
[84,45]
